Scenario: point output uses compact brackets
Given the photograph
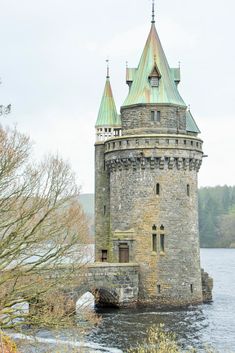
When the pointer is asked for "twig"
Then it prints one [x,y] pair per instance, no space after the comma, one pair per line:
[1,341]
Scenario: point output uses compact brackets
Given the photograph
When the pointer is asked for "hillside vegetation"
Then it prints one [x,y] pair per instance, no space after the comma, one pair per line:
[216,215]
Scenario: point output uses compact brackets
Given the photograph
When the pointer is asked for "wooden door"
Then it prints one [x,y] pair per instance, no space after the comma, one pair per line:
[123,253]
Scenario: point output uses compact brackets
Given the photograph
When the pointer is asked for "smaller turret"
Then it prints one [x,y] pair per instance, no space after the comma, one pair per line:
[108,123]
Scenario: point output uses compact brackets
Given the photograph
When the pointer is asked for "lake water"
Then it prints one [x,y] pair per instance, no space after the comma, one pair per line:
[197,326]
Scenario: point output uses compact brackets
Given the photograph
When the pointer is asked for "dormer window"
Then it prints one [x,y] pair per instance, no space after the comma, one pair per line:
[155,76]
[154,81]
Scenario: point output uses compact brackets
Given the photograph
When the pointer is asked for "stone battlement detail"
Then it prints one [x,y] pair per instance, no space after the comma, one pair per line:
[116,164]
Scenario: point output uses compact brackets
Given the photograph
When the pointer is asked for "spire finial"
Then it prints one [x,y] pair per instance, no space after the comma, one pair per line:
[107,61]
[153,11]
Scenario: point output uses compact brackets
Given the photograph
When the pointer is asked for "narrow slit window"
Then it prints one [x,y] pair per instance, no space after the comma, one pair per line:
[188,190]
[158,288]
[191,288]
[104,210]
[154,242]
[152,115]
[157,189]
[158,116]
[162,242]
[104,255]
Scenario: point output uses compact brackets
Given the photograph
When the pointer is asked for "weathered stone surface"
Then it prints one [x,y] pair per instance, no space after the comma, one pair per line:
[111,284]
[207,287]
[136,119]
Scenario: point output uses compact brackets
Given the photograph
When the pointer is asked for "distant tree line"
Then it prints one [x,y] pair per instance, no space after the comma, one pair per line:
[217,216]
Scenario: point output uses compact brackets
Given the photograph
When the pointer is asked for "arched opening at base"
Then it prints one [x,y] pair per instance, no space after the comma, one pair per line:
[106,298]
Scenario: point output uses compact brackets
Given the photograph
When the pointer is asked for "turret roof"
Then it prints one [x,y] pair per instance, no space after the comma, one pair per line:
[191,124]
[141,90]
[108,115]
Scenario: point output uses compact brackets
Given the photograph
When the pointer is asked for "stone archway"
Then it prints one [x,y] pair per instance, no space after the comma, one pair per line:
[106,297]
[103,297]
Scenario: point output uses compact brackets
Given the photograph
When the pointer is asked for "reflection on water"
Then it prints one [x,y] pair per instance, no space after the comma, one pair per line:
[212,323]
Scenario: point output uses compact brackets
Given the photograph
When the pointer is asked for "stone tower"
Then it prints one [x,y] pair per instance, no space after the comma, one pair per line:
[146,165]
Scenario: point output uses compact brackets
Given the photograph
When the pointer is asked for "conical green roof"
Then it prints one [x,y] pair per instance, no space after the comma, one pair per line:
[141,90]
[191,124]
[108,115]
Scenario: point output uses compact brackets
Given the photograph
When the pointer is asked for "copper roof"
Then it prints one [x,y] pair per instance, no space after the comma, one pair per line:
[191,125]
[141,91]
[108,115]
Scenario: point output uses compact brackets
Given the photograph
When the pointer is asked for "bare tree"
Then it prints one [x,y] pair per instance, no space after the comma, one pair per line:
[42,234]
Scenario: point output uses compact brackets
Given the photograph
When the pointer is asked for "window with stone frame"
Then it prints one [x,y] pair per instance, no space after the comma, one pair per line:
[154,242]
[156,116]
[162,242]
[104,255]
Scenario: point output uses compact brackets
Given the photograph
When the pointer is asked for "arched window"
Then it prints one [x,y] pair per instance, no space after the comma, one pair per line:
[162,242]
[154,238]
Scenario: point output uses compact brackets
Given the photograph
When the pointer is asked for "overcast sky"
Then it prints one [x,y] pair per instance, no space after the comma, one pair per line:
[52,67]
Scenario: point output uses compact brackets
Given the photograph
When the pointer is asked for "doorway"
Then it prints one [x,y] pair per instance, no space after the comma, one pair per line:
[123,253]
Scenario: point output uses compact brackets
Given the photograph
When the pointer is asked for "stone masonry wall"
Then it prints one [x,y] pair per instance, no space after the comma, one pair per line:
[137,119]
[102,203]
[172,276]
[111,284]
